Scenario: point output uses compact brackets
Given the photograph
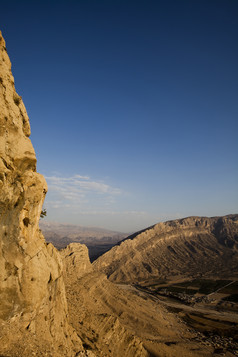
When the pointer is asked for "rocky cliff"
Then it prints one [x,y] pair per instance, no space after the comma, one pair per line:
[33,308]
[192,247]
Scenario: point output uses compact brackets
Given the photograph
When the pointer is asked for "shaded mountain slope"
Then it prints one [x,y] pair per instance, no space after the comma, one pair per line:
[190,247]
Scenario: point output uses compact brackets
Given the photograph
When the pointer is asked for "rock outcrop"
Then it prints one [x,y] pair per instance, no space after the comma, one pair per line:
[192,247]
[33,308]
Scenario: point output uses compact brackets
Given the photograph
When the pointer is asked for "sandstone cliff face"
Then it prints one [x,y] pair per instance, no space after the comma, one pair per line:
[186,248]
[33,308]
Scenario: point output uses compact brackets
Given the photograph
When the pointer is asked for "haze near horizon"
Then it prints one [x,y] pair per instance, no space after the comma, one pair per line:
[132,104]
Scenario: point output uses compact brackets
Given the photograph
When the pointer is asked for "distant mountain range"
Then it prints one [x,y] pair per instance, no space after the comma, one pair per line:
[98,240]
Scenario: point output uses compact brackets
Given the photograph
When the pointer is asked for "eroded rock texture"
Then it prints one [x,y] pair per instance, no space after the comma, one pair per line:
[33,308]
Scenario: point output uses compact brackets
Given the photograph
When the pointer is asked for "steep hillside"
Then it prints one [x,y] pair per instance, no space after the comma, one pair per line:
[117,320]
[185,248]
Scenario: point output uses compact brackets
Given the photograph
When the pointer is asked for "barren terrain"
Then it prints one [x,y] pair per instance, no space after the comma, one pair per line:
[121,320]
[189,248]
[189,267]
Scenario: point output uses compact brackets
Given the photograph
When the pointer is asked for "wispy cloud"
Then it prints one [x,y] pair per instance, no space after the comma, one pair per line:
[80,199]
[78,191]
[115,213]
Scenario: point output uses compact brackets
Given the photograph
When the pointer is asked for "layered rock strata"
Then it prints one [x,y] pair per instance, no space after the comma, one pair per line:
[192,247]
[33,308]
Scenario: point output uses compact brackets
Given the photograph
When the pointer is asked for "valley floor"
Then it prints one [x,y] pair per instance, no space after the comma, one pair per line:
[212,315]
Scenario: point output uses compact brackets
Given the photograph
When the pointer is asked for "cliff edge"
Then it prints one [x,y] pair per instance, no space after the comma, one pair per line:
[33,308]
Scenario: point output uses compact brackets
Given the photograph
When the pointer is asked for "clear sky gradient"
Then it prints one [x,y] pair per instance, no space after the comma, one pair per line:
[133,106]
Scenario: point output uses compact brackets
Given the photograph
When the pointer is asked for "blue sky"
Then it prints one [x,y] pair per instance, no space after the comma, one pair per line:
[132,104]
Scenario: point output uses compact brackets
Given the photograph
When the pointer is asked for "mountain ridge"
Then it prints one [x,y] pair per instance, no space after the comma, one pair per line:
[133,235]
[161,250]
